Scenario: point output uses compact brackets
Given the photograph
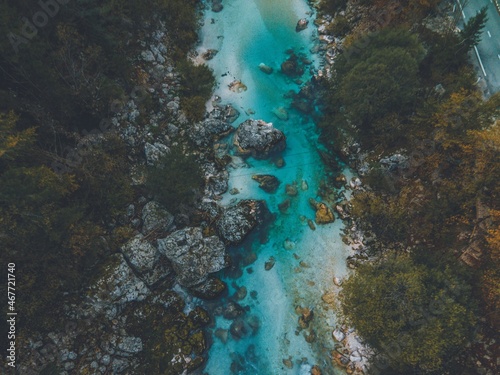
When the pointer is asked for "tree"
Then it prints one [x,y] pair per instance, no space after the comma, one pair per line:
[471,34]
[175,179]
[415,315]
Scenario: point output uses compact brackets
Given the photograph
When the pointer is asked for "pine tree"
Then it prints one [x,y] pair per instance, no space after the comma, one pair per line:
[471,34]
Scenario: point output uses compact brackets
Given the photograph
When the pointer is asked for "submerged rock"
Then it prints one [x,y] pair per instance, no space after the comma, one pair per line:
[193,256]
[258,139]
[281,113]
[291,190]
[265,68]
[284,206]
[292,66]
[301,25]
[217,6]
[235,222]
[267,182]
[237,86]
[232,310]
[270,264]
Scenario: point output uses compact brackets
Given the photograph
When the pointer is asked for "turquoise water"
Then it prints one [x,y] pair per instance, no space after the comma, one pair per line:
[247,33]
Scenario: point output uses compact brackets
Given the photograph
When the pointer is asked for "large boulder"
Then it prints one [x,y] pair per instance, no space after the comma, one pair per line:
[292,67]
[116,284]
[156,218]
[267,182]
[154,152]
[146,260]
[258,139]
[235,222]
[204,133]
[301,25]
[193,256]
[324,214]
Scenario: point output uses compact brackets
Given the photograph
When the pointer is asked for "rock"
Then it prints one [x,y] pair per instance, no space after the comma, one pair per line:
[235,222]
[210,289]
[301,25]
[217,6]
[232,311]
[238,329]
[269,264]
[311,337]
[288,244]
[209,54]
[304,186]
[206,132]
[291,190]
[258,139]
[288,362]
[230,113]
[323,214]
[237,86]
[240,293]
[267,182]
[154,152]
[328,298]
[193,256]
[156,218]
[281,113]
[292,67]
[338,335]
[147,56]
[355,357]
[284,206]
[279,162]
[146,260]
[222,334]
[234,191]
[132,345]
[337,281]
[306,317]
[265,68]
[311,224]
[116,284]
[315,370]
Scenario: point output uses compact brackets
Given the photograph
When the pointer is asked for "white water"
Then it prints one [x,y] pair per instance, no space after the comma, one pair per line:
[246,33]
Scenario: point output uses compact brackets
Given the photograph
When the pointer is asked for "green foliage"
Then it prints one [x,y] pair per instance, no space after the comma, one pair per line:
[175,179]
[417,315]
[471,34]
[331,6]
[197,83]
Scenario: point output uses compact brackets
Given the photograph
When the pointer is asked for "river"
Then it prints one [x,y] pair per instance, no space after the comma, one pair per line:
[247,33]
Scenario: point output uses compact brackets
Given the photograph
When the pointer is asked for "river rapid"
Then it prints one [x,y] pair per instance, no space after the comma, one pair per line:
[247,33]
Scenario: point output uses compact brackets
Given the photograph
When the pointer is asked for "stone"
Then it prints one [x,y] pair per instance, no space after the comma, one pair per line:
[315,370]
[237,86]
[234,191]
[222,334]
[323,213]
[238,329]
[288,244]
[154,152]
[145,260]
[288,362]
[156,218]
[292,67]
[284,206]
[270,264]
[291,190]
[304,186]
[193,256]
[258,139]
[301,25]
[338,335]
[210,289]
[267,182]
[217,6]
[116,284]
[311,224]
[131,345]
[281,113]
[265,68]
[328,298]
[232,311]
[206,132]
[235,222]
[209,54]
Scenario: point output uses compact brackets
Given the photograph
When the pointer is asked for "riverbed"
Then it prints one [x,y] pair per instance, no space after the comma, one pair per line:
[247,33]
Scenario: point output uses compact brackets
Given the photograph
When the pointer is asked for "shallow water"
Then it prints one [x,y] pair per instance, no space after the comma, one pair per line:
[247,33]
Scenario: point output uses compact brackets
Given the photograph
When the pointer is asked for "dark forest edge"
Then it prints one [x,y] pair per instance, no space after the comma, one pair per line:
[405,90]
